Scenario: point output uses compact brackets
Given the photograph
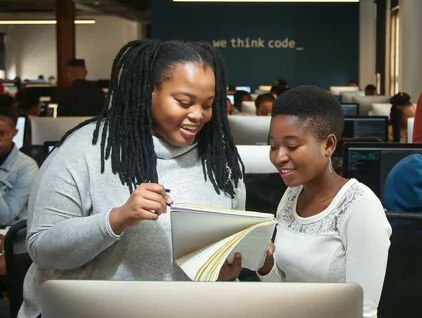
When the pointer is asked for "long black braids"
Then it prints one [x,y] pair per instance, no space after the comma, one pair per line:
[125,124]
[219,155]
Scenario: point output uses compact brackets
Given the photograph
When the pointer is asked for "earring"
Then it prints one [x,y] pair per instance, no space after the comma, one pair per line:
[330,165]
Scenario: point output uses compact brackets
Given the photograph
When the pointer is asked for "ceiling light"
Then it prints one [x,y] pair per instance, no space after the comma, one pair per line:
[27,22]
[260,1]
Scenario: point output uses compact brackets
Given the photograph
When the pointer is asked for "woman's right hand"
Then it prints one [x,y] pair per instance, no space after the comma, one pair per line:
[146,202]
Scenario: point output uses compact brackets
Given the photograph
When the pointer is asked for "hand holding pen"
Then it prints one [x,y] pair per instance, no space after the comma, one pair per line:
[147,202]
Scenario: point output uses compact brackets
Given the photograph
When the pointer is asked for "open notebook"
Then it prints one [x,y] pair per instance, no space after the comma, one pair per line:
[204,237]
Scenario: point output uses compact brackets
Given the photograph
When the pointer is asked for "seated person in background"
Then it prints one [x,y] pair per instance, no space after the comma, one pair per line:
[401,109]
[239,97]
[230,108]
[264,104]
[82,98]
[403,186]
[277,90]
[370,90]
[330,229]
[28,103]
[352,83]
[17,170]
[97,209]
[417,126]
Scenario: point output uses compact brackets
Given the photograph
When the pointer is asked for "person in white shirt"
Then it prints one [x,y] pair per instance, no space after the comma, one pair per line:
[329,229]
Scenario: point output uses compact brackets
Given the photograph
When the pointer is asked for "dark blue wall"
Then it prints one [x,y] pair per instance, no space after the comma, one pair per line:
[328,34]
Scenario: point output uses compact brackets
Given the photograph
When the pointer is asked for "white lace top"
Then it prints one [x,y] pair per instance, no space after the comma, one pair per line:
[347,242]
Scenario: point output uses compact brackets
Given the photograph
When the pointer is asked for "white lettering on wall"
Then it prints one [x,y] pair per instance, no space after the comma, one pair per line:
[256,43]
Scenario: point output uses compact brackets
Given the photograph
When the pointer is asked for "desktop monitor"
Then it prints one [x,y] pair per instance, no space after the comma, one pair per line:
[350,109]
[410,124]
[248,107]
[347,97]
[250,130]
[231,98]
[366,126]
[264,186]
[243,88]
[380,109]
[370,163]
[106,299]
[20,136]
[49,128]
[336,90]
[365,102]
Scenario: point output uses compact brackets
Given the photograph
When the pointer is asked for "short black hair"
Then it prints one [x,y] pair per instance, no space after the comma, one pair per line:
[313,106]
[370,89]
[266,97]
[8,109]
[400,99]
[26,99]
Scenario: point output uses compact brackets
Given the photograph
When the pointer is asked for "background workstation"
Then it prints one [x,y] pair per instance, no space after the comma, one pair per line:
[344,49]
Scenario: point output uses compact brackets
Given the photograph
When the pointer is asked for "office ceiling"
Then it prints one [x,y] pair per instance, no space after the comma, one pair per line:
[131,9]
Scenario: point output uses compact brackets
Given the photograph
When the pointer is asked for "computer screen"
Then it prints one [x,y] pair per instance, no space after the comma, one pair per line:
[20,136]
[106,299]
[370,163]
[250,130]
[264,186]
[49,128]
[243,88]
[366,126]
[350,109]
[365,102]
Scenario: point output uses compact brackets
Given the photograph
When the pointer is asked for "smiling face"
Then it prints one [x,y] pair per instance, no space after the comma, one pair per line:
[182,103]
[296,153]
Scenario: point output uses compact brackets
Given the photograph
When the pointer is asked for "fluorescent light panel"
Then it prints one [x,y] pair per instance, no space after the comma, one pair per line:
[27,22]
[265,1]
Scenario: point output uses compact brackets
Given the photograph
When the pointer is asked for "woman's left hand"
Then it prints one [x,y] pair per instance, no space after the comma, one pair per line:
[230,271]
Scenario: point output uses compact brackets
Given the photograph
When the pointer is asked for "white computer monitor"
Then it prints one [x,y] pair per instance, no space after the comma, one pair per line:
[49,128]
[256,158]
[150,299]
[20,136]
[248,107]
[243,88]
[250,130]
[347,97]
[365,102]
[410,122]
[380,109]
[336,90]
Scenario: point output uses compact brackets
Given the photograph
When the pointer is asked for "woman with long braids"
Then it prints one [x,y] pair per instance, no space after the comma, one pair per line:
[97,209]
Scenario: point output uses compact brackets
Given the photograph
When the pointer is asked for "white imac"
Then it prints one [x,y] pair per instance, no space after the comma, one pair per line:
[250,130]
[152,299]
[380,109]
[52,129]
[248,107]
[410,122]
[347,97]
[243,88]
[20,136]
[256,158]
[336,90]
[365,102]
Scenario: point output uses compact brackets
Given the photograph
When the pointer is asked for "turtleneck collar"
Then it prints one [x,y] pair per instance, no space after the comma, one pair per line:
[166,151]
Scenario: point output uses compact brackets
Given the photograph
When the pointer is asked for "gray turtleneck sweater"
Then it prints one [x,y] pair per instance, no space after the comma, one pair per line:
[69,234]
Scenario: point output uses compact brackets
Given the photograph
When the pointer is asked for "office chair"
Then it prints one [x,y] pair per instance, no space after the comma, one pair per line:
[17,263]
[403,279]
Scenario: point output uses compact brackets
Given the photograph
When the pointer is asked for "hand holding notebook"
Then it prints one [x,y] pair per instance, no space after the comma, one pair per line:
[204,237]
